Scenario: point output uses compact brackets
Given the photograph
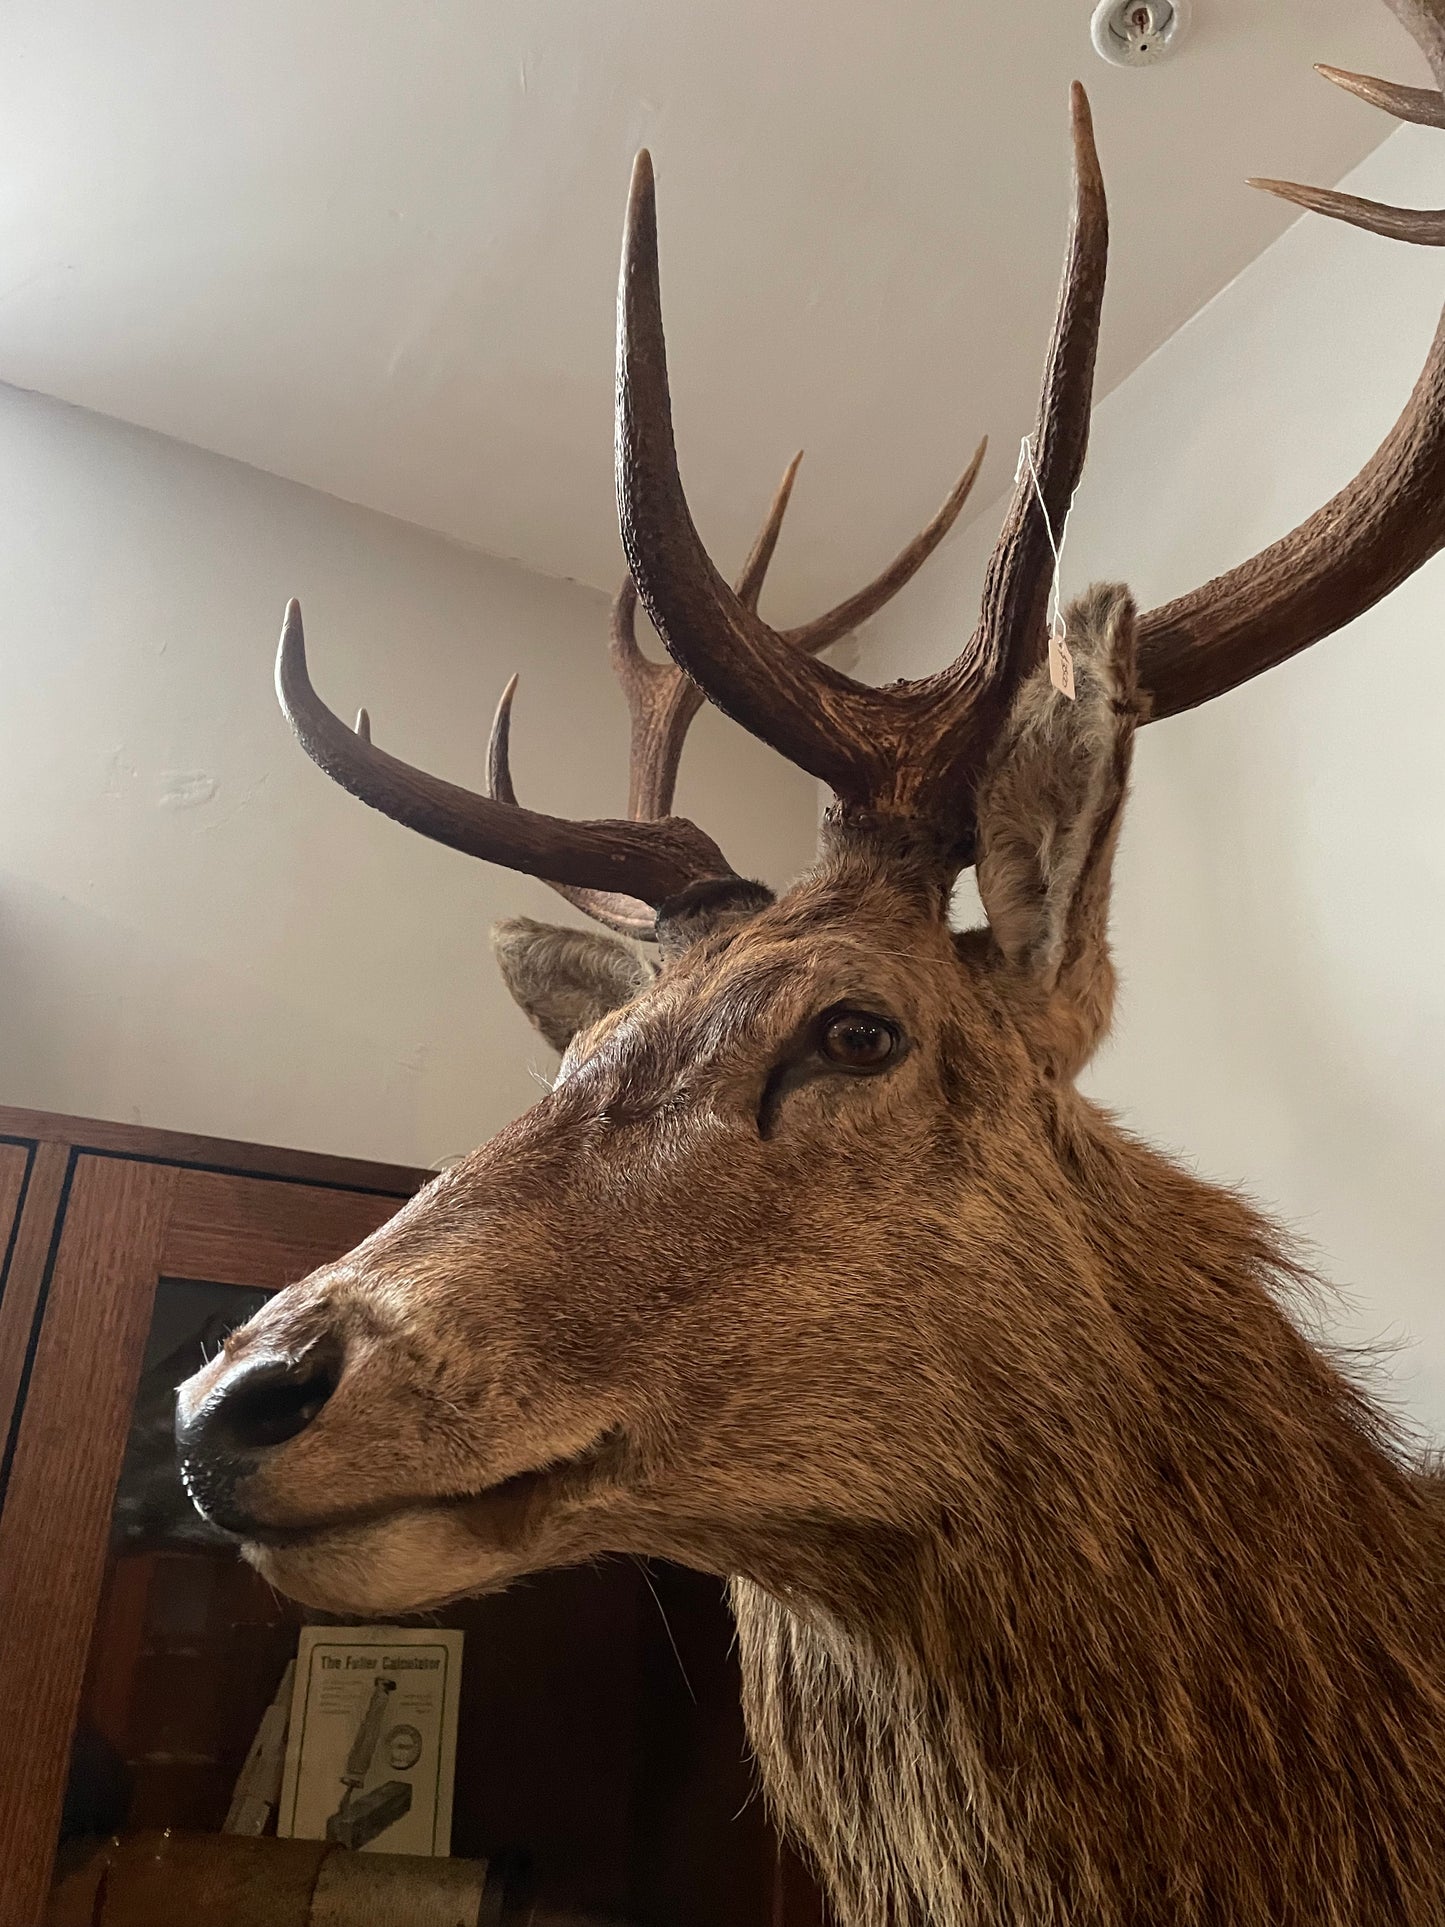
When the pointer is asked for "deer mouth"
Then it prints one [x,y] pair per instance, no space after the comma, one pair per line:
[500,1514]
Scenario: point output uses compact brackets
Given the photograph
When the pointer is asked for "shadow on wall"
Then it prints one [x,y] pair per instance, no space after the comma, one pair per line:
[96,1018]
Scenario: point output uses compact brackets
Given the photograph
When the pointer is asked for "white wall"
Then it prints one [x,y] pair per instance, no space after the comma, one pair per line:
[197,929]
[1280,914]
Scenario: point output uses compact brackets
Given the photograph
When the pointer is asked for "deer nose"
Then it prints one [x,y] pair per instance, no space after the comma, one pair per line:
[263,1403]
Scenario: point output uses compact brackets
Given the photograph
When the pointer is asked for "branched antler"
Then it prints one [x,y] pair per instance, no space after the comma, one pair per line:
[653,861]
[661,704]
[914,751]
[1381,526]
[662,701]
[617,873]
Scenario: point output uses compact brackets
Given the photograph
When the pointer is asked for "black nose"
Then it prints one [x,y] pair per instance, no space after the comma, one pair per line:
[262,1404]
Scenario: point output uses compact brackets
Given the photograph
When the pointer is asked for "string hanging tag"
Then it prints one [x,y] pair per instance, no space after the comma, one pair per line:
[1061,659]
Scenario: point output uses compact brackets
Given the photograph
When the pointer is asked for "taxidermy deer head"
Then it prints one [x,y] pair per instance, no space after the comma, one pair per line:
[1073,1585]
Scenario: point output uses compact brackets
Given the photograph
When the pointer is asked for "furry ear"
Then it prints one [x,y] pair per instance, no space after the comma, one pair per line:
[1049,809]
[566,979]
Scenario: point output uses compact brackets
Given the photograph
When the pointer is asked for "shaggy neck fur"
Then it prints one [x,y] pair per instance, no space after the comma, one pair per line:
[1170,1647]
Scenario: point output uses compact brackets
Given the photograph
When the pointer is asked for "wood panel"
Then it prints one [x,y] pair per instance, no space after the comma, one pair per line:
[14,1168]
[230,1154]
[250,1231]
[66,1459]
[24,1276]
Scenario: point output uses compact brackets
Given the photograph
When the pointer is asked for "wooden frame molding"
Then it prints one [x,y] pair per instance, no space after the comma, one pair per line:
[226,1154]
[65,1459]
[23,1275]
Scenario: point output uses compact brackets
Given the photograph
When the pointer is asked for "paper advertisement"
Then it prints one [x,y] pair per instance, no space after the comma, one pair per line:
[371,1752]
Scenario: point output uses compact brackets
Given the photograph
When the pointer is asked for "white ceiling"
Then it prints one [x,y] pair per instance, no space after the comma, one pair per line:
[371,244]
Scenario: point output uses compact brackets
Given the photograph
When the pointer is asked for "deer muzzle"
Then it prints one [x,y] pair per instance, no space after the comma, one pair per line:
[228,1424]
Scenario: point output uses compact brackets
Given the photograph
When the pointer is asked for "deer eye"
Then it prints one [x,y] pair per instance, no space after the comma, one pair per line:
[858,1040]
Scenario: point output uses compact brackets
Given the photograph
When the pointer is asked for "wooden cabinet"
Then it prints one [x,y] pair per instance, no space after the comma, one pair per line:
[601,1739]
[14,1170]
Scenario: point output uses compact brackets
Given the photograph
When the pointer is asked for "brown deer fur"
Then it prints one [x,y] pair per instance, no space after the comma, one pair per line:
[1074,1587]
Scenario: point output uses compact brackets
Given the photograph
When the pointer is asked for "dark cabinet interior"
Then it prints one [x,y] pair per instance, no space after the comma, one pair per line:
[602,1767]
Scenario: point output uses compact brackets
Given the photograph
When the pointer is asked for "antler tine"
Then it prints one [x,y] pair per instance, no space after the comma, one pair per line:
[628,916]
[499,748]
[861,607]
[661,703]
[1378,529]
[653,861]
[749,586]
[1422,105]
[817,717]
[1422,225]
[1010,636]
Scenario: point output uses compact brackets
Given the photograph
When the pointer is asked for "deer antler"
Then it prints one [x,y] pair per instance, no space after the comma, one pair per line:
[662,701]
[618,873]
[651,861]
[914,749]
[1381,526]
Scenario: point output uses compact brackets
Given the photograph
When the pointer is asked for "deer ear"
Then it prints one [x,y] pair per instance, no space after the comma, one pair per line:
[566,979]
[1049,809]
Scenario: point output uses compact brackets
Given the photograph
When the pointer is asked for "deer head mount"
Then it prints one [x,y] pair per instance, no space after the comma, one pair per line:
[1072,1584]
